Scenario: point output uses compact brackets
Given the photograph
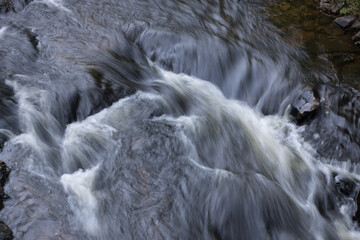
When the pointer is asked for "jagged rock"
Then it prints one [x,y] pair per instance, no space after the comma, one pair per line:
[305,106]
[5,232]
[344,22]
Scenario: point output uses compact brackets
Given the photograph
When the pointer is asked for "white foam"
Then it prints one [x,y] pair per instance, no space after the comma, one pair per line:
[2,32]
[81,198]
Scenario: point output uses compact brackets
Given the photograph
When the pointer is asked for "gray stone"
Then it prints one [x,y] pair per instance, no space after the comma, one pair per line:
[344,22]
[326,7]
[355,25]
[335,9]
[305,106]
[356,37]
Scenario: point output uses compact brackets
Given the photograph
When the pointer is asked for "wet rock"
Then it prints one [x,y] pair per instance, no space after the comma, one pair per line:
[13,5]
[345,186]
[344,22]
[5,6]
[5,232]
[356,37]
[356,25]
[4,173]
[356,216]
[3,138]
[305,106]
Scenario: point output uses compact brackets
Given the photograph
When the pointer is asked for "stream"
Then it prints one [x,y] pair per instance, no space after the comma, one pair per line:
[169,119]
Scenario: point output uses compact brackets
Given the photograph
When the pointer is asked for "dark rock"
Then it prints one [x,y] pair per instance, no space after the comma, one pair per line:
[345,186]
[13,5]
[4,173]
[356,217]
[356,25]
[3,139]
[305,106]
[5,232]
[344,22]
[6,6]
[356,37]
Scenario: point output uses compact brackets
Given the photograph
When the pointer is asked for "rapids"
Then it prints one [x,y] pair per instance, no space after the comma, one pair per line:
[170,120]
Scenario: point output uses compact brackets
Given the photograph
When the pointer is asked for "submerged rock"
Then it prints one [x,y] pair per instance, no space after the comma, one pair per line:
[305,106]
[344,22]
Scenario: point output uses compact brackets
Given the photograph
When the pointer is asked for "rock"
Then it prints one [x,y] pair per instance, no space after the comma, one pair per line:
[335,9]
[356,216]
[356,37]
[3,138]
[305,106]
[326,7]
[345,186]
[344,22]
[5,232]
[356,25]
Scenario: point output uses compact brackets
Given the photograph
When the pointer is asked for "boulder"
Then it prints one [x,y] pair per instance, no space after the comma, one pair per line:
[344,22]
[305,106]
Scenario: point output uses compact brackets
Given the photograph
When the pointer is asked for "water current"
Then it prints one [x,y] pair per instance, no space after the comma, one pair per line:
[169,119]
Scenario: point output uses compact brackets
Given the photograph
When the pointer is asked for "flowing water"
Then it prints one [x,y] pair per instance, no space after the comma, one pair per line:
[170,120]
